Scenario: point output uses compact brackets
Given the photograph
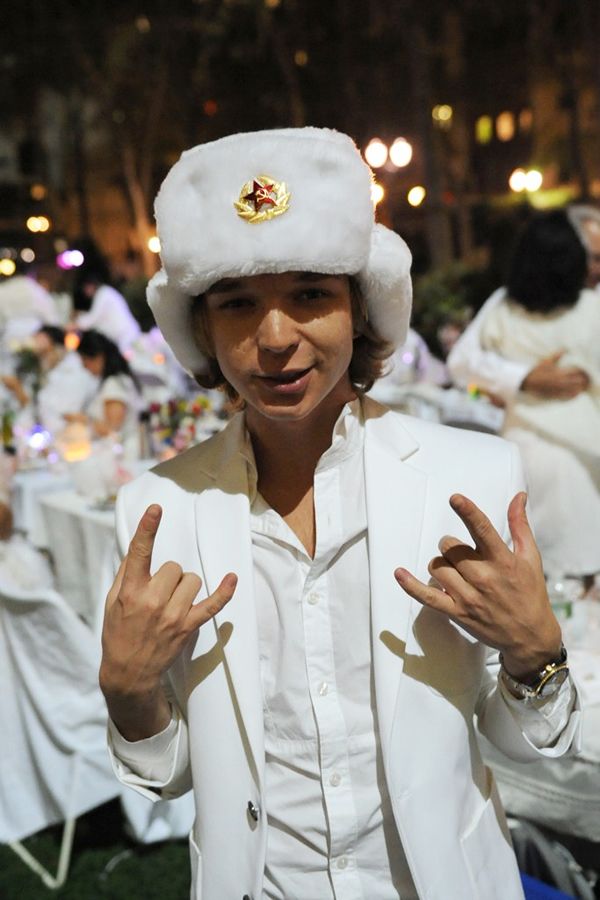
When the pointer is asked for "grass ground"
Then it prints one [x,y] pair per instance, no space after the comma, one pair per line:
[105,864]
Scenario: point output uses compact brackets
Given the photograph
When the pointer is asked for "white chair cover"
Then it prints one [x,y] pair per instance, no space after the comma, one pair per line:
[53,759]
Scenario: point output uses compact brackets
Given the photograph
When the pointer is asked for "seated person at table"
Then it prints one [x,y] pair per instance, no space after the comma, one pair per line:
[99,307]
[66,386]
[116,406]
[325,718]
[22,567]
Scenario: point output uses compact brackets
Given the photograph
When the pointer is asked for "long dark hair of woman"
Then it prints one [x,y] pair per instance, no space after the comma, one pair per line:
[93,343]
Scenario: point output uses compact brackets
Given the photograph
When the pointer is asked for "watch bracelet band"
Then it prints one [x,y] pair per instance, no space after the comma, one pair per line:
[535,687]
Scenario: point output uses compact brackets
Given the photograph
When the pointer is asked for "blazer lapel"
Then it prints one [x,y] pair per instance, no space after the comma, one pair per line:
[224,543]
[396,493]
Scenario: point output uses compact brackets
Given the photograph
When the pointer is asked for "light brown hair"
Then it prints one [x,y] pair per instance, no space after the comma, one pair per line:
[366,366]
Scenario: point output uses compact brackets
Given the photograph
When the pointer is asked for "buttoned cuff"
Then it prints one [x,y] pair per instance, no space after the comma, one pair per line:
[151,758]
[543,721]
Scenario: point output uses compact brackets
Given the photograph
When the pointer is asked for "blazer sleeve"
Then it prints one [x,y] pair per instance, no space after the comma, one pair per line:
[511,726]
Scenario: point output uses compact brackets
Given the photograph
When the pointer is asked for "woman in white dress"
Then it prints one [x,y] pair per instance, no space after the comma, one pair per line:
[117,404]
[546,312]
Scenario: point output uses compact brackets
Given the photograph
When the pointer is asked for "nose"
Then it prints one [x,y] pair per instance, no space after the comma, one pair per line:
[277,332]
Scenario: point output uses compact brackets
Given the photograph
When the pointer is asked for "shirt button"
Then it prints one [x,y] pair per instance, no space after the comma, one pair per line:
[342,862]
[313,599]
[335,779]
[323,688]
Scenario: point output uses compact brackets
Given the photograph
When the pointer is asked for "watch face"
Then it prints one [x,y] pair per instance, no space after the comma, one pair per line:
[553,683]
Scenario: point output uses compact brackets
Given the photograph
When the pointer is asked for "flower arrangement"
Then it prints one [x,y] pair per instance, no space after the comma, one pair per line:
[173,424]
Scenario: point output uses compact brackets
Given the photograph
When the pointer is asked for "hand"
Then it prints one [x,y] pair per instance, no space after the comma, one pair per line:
[548,379]
[148,620]
[497,595]
[13,384]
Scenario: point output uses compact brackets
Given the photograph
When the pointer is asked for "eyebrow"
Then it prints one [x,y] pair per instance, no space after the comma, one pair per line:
[226,285]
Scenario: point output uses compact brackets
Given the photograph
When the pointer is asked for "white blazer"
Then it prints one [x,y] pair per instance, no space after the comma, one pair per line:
[430,677]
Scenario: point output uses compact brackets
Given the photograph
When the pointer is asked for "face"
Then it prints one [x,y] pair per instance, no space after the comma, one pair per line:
[591,231]
[42,344]
[284,342]
[94,364]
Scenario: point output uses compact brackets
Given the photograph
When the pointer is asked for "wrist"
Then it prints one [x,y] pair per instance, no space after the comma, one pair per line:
[526,667]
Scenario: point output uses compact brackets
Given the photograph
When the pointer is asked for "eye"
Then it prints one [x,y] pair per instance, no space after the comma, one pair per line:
[233,303]
[313,293]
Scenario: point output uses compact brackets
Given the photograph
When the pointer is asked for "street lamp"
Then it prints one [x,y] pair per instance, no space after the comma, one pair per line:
[398,155]
[529,181]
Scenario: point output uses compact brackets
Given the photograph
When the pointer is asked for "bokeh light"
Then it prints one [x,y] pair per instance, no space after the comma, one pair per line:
[401,152]
[416,195]
[376,153]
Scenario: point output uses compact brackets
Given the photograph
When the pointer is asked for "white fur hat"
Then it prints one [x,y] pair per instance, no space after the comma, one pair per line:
[295,199]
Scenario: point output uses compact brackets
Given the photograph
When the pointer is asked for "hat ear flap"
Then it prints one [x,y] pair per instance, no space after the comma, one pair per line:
[385,282]
[171,309]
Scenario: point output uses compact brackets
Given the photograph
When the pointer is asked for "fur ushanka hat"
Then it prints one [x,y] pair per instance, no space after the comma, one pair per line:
[295,199]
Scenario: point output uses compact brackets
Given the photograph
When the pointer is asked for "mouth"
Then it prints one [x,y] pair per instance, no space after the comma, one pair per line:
[288,381]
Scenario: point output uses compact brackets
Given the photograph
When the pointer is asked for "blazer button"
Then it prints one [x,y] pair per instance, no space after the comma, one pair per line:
[254,812]
[246,897]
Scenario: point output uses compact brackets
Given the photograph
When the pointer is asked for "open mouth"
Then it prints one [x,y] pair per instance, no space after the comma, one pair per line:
[287,377]
[293,379]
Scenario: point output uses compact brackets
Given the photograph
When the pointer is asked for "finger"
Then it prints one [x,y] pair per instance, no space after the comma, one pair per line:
[487,540]
[166,580]
[451,581]
[426,594]
[201,612]
[116,585]
[520,530]
[457,552]
[139,555]
[553,358]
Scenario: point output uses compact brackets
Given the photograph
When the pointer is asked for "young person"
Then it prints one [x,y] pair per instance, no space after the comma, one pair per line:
[272,639]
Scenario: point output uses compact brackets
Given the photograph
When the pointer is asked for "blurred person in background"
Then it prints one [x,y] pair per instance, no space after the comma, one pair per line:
[65,385]
[116,405]
[546,312]
[469,363]
[99,307]
[24,306]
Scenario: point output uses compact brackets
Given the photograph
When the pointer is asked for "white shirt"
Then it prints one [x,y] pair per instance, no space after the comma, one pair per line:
[121,388]
[110,314]
[331,832]
[67,388]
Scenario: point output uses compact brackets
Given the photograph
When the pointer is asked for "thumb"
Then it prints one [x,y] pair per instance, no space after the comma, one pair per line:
[518,523]
[553,358]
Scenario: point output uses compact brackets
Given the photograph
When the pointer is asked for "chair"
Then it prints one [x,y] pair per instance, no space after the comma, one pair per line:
[54,766]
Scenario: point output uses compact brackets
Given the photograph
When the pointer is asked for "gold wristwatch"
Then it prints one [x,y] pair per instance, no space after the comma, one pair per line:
[544,684]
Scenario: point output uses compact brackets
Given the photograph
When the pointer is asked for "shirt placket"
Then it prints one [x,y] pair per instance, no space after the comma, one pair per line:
[331,726]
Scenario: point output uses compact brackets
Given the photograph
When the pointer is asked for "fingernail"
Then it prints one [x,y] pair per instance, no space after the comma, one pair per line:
[401,574]
[153,511]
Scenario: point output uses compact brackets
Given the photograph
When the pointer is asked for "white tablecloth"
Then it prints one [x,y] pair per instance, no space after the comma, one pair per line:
[80,539]
[27,489]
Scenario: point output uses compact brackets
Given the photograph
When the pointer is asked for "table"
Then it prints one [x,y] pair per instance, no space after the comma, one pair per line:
[28,486]
[80,538]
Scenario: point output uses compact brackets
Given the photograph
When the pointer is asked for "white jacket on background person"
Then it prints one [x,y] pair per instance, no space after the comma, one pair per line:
[430,677]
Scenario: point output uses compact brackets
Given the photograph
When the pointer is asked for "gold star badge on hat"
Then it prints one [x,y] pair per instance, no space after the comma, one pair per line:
[262,198]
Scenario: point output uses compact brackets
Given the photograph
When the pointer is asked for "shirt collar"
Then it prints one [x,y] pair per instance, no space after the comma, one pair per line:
[347,439]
